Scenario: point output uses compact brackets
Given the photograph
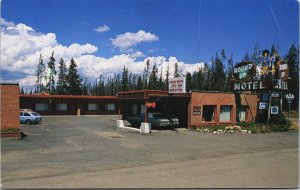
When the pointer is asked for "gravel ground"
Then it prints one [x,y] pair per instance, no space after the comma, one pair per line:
[73,152]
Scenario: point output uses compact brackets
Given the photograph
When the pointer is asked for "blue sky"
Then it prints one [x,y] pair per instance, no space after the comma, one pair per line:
[170,28]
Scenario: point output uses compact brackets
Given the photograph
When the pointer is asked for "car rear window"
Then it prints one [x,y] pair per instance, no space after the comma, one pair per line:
[35,114]
[26,114]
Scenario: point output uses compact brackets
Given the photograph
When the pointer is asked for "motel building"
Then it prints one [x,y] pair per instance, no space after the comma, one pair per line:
[193,109]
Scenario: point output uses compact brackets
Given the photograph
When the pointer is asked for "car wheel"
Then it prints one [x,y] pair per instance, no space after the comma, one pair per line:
[28,122]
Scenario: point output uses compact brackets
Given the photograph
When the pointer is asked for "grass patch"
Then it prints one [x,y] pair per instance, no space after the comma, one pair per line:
[292,114]
[11,130]
[217,127]
[254,127]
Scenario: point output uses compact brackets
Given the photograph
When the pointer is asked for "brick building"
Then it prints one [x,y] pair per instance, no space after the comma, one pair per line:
[70,104]
[214,108]
[9,106]
[193,109]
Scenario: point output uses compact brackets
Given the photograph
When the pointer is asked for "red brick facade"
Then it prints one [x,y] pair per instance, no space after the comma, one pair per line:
[10,106]
[216,101]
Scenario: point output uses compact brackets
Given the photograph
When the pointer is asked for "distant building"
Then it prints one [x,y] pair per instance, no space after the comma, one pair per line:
[70,104]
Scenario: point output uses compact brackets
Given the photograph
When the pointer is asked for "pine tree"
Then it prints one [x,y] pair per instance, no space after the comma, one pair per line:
[125,79]
[85,87]
[112,87]
[146,74]
[40,73]
[208,84]
[139,84]
[22,90]
[160,81]
[74,80]
[153,79]
[217,75]
[246,57]
[229,74]
[62,83]
[167,78]
[133,82]
[292,59]
[52,74]
[188,81]
[200,79]
[256,54]
[223,56]
[130,81]
[176,72]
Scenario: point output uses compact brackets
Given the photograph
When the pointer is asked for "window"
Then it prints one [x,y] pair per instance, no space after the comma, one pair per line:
[26,114]
[41,107]
[209,113]
[142,108]
[134,109]
[110,107]
[62,107]
[225,114]
[241,113]
[92,107]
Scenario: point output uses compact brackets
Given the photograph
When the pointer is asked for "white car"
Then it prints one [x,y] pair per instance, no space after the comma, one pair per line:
[30,117]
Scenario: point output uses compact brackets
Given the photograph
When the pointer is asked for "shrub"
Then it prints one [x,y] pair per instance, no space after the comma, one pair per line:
[279,123]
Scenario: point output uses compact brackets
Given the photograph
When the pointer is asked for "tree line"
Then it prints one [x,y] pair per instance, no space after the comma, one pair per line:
[215,76]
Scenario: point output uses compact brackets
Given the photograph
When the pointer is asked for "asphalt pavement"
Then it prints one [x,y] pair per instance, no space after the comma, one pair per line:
[90,152]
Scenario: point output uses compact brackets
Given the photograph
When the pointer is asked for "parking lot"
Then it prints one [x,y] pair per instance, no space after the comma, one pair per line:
[89,151]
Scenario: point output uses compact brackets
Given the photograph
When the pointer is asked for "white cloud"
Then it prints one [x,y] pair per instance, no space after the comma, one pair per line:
[103,28]
[3,22]
[92,67]
[137,54]
[128,39]
[22,46]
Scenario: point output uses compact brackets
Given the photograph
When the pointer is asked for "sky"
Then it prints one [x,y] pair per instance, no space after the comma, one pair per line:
[103,36]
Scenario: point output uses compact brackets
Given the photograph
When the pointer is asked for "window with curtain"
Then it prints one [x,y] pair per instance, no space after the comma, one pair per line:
[92,107]
[225,114]
[41,107]
[110,107]
[62,107]
[242,113]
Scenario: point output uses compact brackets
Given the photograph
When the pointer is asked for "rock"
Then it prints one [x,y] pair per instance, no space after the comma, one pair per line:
[215,132]
[244,131]
[228,127]
[238,128]
[249,132]
[231,131]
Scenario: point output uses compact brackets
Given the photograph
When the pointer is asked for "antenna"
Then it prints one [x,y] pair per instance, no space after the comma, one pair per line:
[198,37]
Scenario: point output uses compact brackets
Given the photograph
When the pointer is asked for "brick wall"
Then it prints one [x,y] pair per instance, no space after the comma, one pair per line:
[9,112]
[220,99]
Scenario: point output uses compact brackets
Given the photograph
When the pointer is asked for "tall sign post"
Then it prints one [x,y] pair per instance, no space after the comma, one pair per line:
[289,97]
